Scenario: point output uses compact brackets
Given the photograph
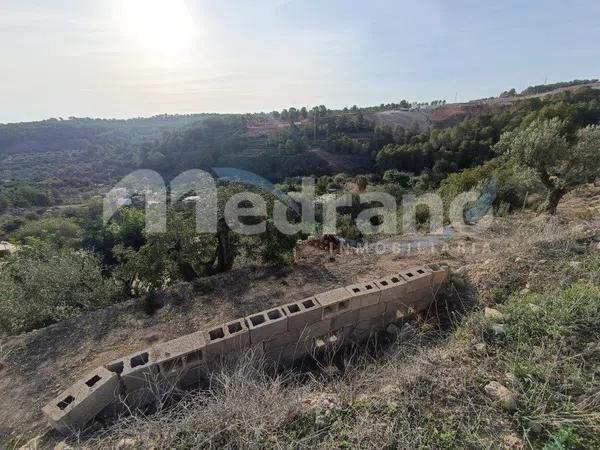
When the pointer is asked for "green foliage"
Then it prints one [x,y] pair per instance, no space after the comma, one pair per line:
[551,348]
[397,177]
[541,88]
[61,232]
[178,254]
[41,286]
[544,147]
[513,184]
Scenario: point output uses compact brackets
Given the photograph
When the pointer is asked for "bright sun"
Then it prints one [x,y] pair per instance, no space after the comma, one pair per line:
[162,27]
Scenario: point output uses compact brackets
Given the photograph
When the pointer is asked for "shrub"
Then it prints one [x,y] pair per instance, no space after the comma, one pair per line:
[42,286]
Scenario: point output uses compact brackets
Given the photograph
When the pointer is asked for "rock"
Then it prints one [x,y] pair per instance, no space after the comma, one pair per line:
[579,249]
[502,395]
[151,337]
[518,259]
[575,264]
[542,261]
[62,446]
[498,330]
[534,308]
[510,379]
[512,441]
[480,347]
[126,444]
[493,314]
[524,291]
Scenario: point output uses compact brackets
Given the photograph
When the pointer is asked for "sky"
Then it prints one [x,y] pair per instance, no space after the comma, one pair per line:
[132,58]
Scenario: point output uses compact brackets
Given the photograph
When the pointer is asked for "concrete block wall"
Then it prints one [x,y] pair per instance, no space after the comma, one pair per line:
[305,327]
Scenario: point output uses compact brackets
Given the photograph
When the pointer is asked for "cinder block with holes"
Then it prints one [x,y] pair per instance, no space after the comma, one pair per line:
[229,338]
[420,300]
[335,302]
[417,278]
[316,329]
[303,313]
[371,311]
[289,338]
[364,294]
[439,274]
[289,352]
[392,288]
[361,329]
[182,360]
[267,324]
[344,319]
[139,375]
[75,407]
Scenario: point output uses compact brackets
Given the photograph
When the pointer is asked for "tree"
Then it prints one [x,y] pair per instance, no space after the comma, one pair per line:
[560,162]
[43,285]
[397,177]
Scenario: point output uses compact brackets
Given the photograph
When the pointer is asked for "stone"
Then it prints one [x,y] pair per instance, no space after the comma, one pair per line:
[575,264]
[151,337]
[502,395]
[525,291]
[498,330]
[480,347]
[127,444]
[493,314]
[534,308]
[579,249]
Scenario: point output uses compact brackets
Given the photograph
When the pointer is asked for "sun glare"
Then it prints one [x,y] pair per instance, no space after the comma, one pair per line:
[163,27]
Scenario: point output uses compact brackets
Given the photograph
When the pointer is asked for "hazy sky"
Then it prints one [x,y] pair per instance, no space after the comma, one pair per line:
[124,58]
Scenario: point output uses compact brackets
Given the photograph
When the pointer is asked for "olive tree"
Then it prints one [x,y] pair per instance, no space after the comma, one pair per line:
[561,163]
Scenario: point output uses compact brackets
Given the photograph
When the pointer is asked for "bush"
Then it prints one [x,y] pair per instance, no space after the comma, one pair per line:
[42,286]
[57,231]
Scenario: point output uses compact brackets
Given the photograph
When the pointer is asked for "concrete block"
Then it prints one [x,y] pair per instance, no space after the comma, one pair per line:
[139,373]
[264,325]
[417,278]
[377,324]
[392,288]
[83,401]
[177,358]
[344,319]
[371,311]
[317,329]
[421,299]
[229,338]
[287,354]
[439,274]
[302,313]
[335,302]
[364,294]
[291,337]
[361,329]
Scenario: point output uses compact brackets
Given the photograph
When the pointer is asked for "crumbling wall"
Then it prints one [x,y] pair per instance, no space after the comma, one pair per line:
[285,334]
